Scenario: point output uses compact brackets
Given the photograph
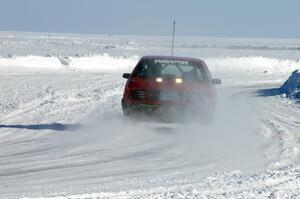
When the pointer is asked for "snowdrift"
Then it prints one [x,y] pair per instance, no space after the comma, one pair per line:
[291,88]
[107,62]
[252,64]
[103,62]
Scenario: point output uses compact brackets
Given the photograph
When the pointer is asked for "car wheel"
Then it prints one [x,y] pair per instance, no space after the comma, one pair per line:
[125,108]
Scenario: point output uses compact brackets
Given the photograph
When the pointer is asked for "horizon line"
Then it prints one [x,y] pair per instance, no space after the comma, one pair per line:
[146,35]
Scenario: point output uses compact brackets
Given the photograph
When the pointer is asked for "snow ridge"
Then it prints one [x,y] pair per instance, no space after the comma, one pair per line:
[291,88]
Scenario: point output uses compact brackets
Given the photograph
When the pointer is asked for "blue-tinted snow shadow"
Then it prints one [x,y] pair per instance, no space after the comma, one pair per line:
[53,126]
[268,92]
[274,92]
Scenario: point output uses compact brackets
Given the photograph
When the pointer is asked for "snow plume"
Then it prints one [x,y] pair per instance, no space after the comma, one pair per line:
[229,142]
[232,137]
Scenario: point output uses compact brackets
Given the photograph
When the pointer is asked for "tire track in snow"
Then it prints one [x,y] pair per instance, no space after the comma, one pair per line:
[145,164]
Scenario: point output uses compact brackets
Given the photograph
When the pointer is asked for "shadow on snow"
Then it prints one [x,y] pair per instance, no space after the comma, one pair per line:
[268,92]
[53,126]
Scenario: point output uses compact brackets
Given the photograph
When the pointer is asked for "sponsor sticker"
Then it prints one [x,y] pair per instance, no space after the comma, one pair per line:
[164,61]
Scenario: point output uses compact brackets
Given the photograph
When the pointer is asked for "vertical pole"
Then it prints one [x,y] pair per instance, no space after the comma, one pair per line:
[174,23]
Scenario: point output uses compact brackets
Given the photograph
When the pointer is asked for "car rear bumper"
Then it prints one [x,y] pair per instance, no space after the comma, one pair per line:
[169,112]
[167,108]
[141,107]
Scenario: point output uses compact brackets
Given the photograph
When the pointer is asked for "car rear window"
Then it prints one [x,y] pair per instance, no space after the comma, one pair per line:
[170,69]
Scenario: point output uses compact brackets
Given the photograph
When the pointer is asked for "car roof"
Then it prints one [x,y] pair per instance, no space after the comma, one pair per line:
[188,59]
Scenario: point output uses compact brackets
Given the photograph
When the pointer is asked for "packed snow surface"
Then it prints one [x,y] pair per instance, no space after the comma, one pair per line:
[62,134]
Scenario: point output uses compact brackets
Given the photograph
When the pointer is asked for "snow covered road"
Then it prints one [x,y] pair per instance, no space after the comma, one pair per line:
[62,136]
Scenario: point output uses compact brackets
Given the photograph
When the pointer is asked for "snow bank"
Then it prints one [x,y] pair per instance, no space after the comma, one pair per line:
[258,64]
[103,62]
[291,88]
[30,62]
[106,62]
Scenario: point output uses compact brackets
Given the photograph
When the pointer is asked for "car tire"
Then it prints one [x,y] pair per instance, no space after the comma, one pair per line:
[125,108]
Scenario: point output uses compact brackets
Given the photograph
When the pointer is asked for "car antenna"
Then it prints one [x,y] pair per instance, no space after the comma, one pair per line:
[174,24]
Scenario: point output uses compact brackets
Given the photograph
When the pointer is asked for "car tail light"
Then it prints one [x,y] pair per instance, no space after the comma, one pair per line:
[178,80]
[159,79]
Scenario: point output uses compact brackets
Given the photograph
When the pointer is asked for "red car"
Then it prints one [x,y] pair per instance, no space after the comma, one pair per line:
[170,87]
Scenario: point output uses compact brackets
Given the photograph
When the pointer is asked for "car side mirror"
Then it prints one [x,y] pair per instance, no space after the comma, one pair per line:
[126,75]
[216,81]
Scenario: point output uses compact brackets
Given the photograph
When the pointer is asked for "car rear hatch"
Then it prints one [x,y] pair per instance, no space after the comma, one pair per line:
[166,91]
